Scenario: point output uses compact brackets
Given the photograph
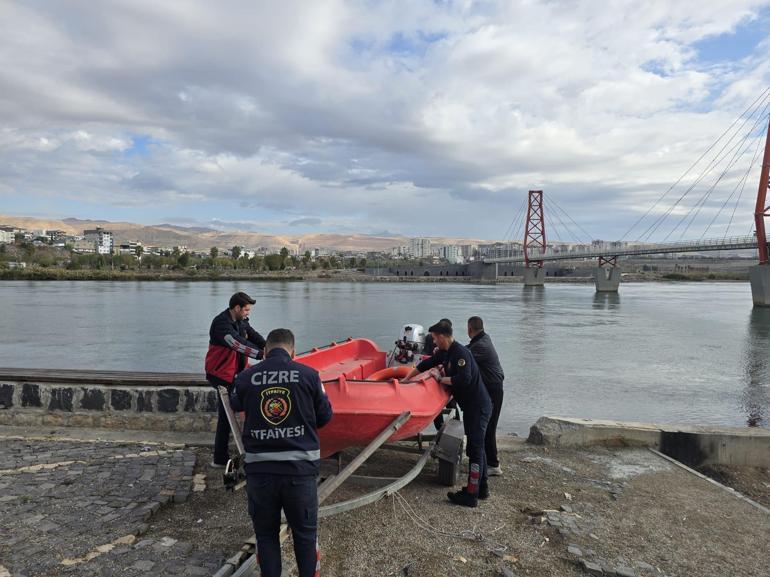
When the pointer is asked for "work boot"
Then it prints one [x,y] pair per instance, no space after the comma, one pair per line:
[483,491]
[462,497]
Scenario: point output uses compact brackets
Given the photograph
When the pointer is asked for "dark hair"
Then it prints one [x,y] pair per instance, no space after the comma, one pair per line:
[441,328]
[476,324]
[280,337]
[447,321]
[241,300]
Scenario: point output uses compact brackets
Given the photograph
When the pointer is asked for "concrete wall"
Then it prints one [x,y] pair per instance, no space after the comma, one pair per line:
[158,408]
[473,270]
[693,446]
[449,270]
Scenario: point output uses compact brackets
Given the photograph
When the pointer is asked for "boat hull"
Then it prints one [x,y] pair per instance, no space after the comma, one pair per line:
[364,408]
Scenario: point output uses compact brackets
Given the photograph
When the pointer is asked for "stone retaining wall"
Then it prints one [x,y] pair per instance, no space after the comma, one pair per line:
[159,408]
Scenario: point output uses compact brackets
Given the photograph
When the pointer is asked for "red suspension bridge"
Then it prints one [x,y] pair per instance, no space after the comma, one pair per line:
[720,159]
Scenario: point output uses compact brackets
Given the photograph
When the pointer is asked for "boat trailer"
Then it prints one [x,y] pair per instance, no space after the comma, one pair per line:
[446,446]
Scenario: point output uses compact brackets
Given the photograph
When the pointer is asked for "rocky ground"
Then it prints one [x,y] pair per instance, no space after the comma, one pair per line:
[557,513]
[115,508]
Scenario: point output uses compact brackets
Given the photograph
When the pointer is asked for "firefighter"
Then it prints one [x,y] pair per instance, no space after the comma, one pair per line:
[492,373]
[285,405]
[462,377]
[231,340]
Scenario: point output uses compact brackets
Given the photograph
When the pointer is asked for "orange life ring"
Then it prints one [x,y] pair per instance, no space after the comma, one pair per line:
[389,373]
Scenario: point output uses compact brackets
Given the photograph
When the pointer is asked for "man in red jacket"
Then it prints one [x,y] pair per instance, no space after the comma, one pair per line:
[231,340]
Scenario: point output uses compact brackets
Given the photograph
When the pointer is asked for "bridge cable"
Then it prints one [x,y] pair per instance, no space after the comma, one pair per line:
[740,184]
[762,96]
[738,154]
[547,218]
[714,162]
[549,204]
[589,236]
[508,228]
[518,232]
[516,219]
[695,210]
[743,185]
[701,203]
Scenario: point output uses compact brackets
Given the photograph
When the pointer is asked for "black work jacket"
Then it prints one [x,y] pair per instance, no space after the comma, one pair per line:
[486,358]
[467,385]
[285,405]
[230,342]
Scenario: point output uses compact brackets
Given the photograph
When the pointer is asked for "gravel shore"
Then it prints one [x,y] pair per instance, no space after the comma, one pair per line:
[553,513]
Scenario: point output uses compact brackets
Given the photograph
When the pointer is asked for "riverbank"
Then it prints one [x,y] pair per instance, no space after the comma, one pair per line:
[78,503]
[58,274]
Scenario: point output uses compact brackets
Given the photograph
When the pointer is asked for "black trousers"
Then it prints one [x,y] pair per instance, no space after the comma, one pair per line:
[490,440]
[298,497]
[222,435]
[475,419]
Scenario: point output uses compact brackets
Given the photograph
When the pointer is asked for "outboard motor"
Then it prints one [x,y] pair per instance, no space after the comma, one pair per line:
[411,341]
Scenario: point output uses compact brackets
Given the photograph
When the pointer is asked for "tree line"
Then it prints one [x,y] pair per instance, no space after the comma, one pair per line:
[53,257]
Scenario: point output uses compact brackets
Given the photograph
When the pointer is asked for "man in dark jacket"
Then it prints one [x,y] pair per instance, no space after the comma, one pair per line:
[429,347]
[285,405]
[492,372]
[463,378]
[231,340]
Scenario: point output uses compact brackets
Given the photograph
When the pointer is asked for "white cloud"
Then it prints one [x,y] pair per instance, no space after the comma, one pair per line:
[373,114]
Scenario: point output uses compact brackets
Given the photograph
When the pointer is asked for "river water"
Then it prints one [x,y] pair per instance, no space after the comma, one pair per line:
[691,353]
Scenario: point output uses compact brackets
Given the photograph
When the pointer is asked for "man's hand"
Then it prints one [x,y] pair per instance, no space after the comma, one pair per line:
[410,375]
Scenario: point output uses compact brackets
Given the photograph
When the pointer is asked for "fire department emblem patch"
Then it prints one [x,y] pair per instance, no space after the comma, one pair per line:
[461,363]
[276,404]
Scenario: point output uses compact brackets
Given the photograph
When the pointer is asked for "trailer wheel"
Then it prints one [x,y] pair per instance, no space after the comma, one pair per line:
[448,473]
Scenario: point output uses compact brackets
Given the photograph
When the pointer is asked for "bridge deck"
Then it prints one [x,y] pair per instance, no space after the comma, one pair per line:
[704,245]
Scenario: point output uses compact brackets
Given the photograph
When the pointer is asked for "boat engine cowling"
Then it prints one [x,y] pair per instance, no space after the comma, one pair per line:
[412,340]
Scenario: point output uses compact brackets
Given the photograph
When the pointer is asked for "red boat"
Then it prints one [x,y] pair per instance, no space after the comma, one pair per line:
[367,396]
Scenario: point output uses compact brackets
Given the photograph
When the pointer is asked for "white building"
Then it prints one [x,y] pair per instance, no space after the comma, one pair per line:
[102,240]
[468,251]
[130,247]
[500,249]
[83,246]
[420,248]
[7,235]
[452,253]
[399,252]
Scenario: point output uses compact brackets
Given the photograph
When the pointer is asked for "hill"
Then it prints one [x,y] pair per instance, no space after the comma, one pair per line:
[203,238]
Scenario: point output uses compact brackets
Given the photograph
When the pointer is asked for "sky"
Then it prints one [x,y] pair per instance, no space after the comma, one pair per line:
[415,118]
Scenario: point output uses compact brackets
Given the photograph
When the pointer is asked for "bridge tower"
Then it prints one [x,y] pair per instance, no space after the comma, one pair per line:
[760,275]
[534,239]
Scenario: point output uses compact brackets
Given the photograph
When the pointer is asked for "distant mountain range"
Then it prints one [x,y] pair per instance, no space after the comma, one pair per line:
[203,238]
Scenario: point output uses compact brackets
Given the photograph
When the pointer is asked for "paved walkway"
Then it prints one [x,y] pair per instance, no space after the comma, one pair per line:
[72,507]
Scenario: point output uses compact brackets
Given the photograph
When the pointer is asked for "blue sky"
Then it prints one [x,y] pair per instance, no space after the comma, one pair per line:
[415,118]
[736,44]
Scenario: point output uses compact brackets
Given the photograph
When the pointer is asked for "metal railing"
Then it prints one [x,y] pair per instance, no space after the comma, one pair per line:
[702,245]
